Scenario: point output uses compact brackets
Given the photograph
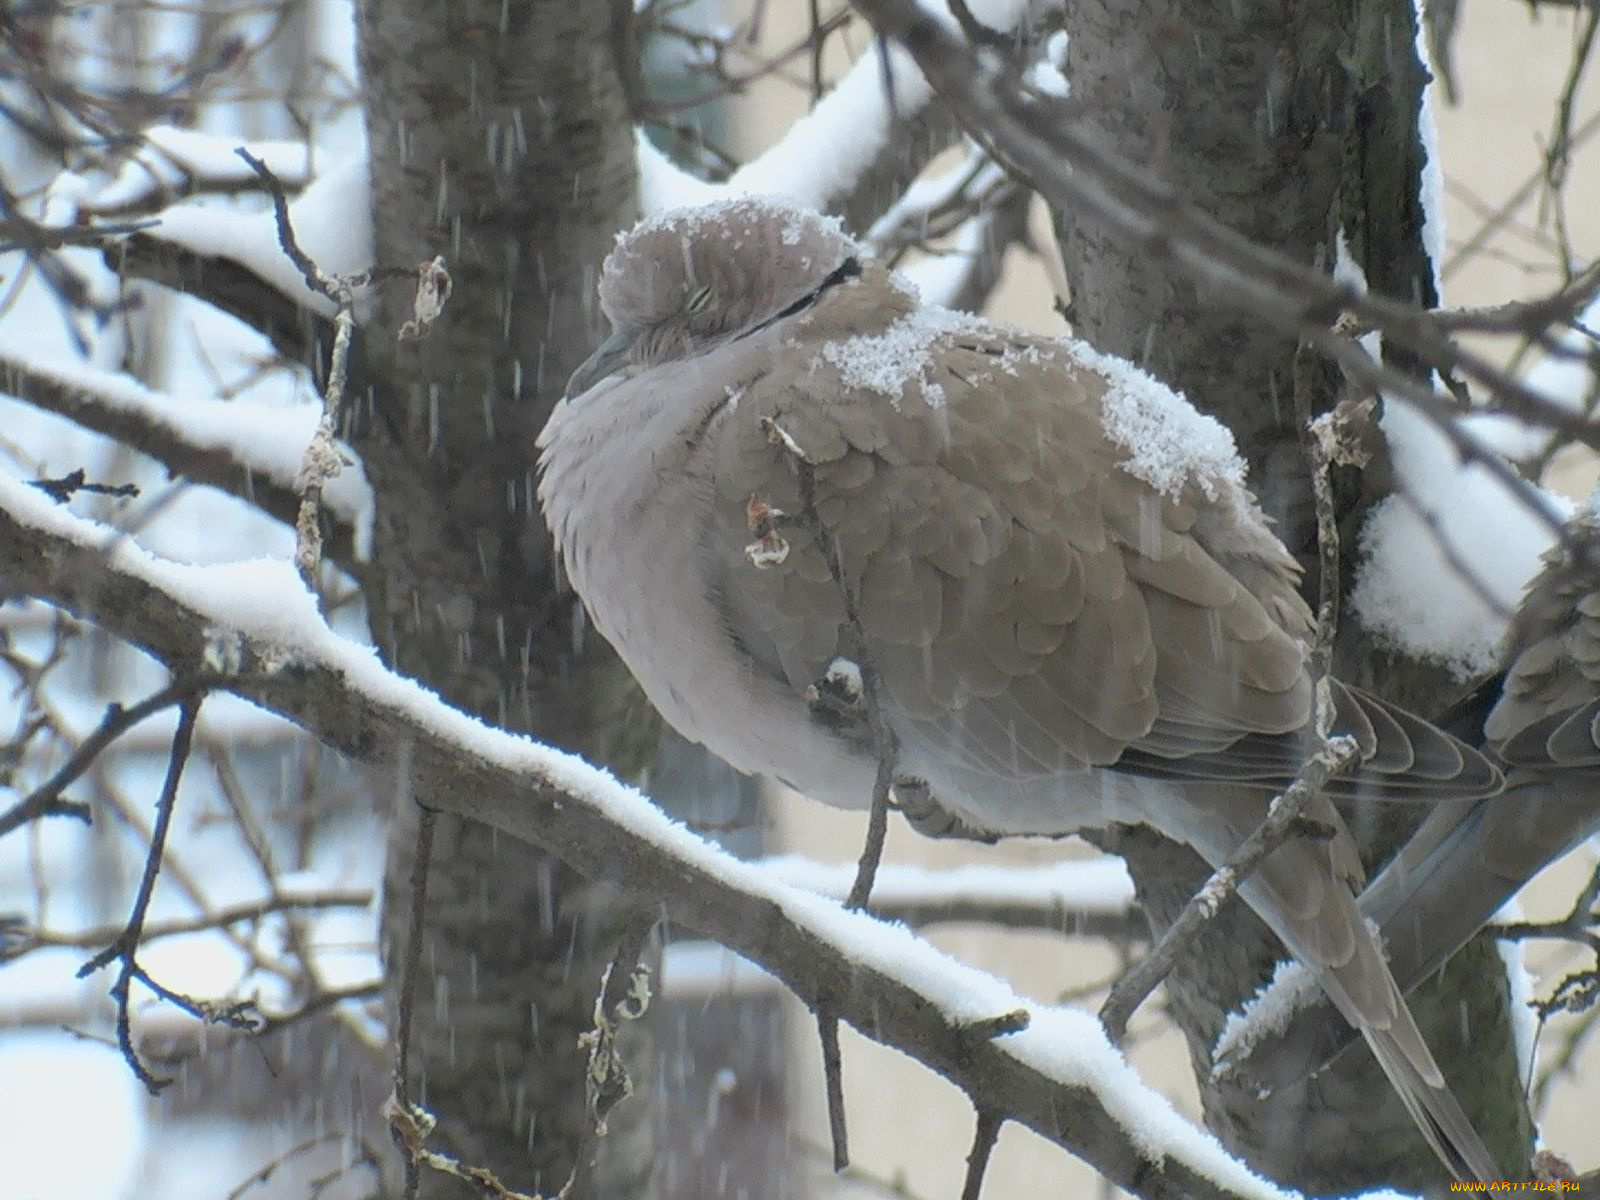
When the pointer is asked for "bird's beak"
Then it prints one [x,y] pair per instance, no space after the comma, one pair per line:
[606,359]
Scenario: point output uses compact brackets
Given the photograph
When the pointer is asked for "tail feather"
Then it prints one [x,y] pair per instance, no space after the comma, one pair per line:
[1460,866]
[1303,892]
[1438,1115]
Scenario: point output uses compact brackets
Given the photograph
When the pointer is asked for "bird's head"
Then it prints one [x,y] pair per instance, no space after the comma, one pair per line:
[683,283]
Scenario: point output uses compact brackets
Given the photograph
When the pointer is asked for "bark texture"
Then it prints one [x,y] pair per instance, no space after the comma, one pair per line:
[500,139]
[1285,121]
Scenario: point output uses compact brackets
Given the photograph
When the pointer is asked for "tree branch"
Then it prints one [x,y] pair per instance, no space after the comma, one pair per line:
[1045,140]
[228,446]
[892,987]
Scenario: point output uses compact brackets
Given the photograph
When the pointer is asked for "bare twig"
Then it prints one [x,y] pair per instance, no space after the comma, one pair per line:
[984,1136]
[323,458]
[1283,821]
[1332,441]
[219,919]
[1580,925]
[263,1176]
[833,1079]
[1558,153]
[45,800]
[624,996]
[63,489]
[319,1001]
[124,950]
[399,1108]
[1524,191]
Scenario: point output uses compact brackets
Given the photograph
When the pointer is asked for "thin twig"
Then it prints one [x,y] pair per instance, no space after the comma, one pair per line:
[833,1078]
[1283,821]
[45,799]
[1579,925]
[323,459]
[984,1137]
[126,946]
[263,1175]
[220,919]
[63,489]
[1558,154]
[410,969]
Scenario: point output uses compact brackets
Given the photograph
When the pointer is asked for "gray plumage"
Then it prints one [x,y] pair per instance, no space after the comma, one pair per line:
[1067,627]
[1541,721]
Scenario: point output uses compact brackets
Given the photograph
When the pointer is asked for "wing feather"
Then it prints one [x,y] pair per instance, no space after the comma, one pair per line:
[1028,602]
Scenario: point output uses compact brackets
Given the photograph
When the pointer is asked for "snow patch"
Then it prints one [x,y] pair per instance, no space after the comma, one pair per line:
[1431,185]
[888,362]
[332,221]
[1409,590]
[663,184]
[800,222]
[1291,988]
[1169,442]
[826,152]
[1048,74]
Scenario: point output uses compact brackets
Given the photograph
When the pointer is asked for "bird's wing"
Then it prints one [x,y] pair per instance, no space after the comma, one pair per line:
[1548,714]
[1027,601]
[1467,859]
[1031,603]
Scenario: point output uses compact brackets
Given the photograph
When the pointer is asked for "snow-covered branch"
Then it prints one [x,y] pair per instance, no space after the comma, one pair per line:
[1054,1074]
[247,450]
[858,149]
[1091,897]
[1045,139]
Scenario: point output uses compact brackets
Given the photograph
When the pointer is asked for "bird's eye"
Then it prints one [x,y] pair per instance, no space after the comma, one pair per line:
[700,299]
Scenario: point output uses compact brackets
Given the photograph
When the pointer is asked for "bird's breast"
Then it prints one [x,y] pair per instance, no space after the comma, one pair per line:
[634,541]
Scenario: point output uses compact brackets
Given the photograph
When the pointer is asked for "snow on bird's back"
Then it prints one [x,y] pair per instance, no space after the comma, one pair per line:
[888,361]
[1169,442]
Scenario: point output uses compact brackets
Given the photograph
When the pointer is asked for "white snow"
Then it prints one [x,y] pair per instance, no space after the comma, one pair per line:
[268,440]
[888,362]
[175,159]
[1069,1045]
[1407,590]
[1432,182]
[1096,885]
[824,154]
[732,210]
[1048,75]
[1520,981]
[1291,988]
[664,185]
[62,1095]
[266,603]
[332,221]
[1169,442]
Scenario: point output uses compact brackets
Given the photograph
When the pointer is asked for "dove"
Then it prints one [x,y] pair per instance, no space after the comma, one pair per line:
[1540,719]
[1072,609]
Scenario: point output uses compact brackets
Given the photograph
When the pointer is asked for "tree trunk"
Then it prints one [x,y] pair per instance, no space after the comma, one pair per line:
[501,140]
[1285,121]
